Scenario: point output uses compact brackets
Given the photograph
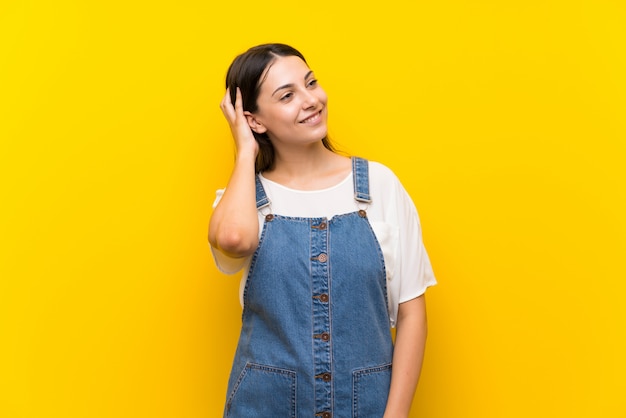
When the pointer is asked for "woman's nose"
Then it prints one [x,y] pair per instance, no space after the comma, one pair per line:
[310,100]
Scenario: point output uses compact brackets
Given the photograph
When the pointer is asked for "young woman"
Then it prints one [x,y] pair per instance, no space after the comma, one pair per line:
[332,255]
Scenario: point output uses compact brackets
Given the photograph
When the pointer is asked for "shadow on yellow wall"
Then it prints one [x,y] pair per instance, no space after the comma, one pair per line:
[504,121]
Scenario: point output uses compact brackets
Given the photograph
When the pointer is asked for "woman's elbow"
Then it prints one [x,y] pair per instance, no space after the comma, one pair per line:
[234,243]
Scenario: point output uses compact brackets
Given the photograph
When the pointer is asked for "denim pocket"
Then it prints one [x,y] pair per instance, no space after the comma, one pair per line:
[263,391]
[370,389]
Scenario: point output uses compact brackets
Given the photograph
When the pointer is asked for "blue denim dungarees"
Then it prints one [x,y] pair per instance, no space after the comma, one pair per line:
[315,339]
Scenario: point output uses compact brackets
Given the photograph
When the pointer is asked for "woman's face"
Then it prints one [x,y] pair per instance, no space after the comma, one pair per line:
[291,105]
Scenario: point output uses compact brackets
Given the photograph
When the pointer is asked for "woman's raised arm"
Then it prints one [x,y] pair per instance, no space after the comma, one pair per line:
[234,226]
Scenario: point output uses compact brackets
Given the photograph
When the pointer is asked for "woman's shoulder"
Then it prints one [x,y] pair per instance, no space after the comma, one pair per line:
[386,184]
[381,172]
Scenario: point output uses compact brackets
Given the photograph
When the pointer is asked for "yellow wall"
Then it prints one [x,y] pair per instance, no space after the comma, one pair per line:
[504,119]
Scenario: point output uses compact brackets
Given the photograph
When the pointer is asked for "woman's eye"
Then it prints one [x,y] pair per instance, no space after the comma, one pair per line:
[286,97]
[312,83]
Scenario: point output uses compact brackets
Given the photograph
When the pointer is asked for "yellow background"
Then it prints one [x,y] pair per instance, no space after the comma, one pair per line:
[505,120]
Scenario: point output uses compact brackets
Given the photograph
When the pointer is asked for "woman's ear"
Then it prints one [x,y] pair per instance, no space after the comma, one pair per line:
[254,123]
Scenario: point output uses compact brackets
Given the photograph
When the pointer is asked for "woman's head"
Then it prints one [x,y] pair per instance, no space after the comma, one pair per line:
[248,72]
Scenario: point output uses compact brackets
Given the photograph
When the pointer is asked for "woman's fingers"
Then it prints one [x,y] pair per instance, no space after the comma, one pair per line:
[238,103]
[242,134]
[233,113]
[227,107]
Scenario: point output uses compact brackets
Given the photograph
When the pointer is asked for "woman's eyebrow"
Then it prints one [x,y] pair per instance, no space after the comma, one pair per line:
[286,86]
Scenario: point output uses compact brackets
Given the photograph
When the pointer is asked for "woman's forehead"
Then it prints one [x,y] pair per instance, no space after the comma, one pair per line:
[284,70]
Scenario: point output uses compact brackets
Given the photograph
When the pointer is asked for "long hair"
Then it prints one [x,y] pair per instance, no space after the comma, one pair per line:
[246,72]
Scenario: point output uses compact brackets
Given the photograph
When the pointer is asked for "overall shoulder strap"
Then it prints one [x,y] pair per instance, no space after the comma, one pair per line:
[360,177]
[261,198]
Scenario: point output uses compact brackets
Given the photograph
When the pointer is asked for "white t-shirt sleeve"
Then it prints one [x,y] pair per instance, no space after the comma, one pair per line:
[409,271]
[225,263]
[414,265]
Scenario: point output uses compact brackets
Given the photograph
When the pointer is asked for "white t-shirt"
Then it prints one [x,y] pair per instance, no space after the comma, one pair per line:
[391,213]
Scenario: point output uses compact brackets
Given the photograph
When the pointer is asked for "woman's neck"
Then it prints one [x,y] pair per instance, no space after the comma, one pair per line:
[308,168]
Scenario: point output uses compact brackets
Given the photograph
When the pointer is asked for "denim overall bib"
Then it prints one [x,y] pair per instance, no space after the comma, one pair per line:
[315,338]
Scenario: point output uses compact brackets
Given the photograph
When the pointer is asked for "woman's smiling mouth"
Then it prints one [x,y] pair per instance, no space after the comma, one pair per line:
[313,118]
